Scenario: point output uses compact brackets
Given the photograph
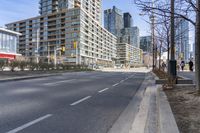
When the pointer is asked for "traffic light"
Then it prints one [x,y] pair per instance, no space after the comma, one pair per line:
[75,44]
[63,49]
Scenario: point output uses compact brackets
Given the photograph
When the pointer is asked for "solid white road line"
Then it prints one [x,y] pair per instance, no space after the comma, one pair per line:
[29,124]
[63,81]
[116,84]
[103,90]
[81,100]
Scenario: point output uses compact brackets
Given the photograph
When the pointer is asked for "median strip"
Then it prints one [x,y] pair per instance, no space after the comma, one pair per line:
[81,100]
[103,90]
[29,124]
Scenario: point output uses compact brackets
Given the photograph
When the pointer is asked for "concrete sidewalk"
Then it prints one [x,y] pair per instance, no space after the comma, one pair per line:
[150,112]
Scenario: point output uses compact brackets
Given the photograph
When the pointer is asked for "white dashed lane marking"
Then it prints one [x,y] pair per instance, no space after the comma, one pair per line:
[81,100]
[116,84]
[29,124]
[103,90]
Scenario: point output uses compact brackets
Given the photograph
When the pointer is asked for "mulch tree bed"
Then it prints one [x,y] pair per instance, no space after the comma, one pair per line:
[185,104]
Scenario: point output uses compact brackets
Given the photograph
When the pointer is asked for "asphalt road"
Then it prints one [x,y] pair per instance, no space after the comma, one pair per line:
[82,102]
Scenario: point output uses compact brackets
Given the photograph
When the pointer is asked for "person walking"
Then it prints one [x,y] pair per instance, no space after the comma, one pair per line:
[182,65]
[163,66]
[191,64]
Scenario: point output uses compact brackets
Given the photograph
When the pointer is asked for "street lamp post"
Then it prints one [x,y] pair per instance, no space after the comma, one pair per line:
[37,47]
[172,61]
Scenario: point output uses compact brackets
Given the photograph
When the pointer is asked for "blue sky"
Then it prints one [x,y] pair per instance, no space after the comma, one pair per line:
[14,10]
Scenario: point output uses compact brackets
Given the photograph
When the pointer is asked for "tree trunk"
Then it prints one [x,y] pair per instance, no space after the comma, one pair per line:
[197,46]
[160,50]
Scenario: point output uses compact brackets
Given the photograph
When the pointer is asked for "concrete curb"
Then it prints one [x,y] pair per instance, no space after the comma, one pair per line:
[27,77]
[167,123]
[140,120]
[155,114]
[179,81]
[125,120]
[166,120]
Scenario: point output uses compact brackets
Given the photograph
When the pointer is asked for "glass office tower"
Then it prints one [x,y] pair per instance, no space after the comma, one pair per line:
[113,20]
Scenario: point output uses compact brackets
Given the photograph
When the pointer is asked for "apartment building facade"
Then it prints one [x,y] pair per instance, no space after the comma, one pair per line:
[71,32]
[91,7]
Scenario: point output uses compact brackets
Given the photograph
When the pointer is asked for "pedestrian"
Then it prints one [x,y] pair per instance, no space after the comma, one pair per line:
[191,64]
[163,66]
[182,65]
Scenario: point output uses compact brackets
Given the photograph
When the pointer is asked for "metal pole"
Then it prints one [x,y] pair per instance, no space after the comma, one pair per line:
[77,60]
[55,57]
[48,53]
[37,55]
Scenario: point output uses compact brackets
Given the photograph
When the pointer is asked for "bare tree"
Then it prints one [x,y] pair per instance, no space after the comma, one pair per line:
[197,45]
[186,9]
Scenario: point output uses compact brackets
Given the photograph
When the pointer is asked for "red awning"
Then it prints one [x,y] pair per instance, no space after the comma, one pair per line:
[7,56]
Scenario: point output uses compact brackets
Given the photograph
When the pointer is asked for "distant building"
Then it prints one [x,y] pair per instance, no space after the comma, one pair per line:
[8,44]
[145,44]
[128,55]
[192,51]
[147,59]
[182,39]
[113,20]
[121,26]
[130,36]
[127,20]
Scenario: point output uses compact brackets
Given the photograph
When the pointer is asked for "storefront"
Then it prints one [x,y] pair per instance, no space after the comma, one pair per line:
[8,44]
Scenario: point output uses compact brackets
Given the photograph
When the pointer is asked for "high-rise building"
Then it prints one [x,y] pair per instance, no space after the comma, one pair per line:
[145,44]
[73,33]
[130,36]
[120,25]
[127,20]
[91,7]
[52,6]
[182,39]
[113,20]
